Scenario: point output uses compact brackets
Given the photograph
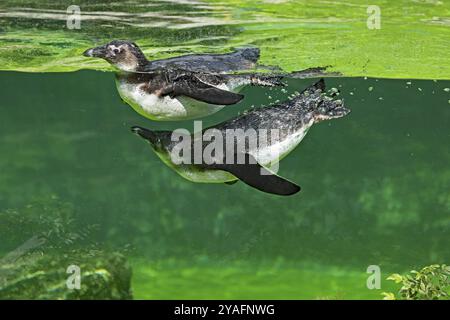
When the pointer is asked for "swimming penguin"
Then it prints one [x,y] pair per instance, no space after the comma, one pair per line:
[127,56]
[184,87]
[167,95]
[242,157]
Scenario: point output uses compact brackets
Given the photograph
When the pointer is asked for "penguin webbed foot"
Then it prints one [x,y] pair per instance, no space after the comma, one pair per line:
[267,81]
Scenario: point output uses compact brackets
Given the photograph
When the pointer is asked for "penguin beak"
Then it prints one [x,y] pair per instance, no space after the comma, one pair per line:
[144,133]
[97,52]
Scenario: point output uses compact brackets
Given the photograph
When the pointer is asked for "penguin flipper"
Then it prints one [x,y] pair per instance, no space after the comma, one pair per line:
[190,86]
[256,176]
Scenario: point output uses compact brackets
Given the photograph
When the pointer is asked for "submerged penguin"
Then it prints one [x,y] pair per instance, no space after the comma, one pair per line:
[290,120]
[184,87]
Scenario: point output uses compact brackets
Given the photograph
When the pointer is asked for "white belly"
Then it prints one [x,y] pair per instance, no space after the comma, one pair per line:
[268,157]
[272,154]
[207,176]
[200,176]
[165,108]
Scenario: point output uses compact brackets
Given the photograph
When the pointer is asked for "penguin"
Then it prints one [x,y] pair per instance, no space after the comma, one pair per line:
[127,56]
[180,88]
[173,94]
[245,157]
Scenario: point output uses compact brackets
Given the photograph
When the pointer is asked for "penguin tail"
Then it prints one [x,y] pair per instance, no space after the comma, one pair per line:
[316,88]
[267,81]
[314,72]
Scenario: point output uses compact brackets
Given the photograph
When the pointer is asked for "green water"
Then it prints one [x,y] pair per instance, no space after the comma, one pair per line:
[412,41]
[375,184]
[375,189]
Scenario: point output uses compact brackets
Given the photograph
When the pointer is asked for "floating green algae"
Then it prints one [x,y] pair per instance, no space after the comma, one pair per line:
[411,43]
[279,279]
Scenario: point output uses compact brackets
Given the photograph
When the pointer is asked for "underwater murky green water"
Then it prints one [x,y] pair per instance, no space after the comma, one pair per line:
[374,190]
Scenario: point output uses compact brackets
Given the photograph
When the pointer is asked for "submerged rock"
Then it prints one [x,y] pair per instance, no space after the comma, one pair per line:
[102,275]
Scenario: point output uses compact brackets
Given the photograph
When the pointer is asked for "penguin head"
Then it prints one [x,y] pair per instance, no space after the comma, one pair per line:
[154,138]
[124,55]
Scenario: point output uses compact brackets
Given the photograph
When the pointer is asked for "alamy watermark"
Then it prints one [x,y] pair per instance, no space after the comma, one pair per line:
[73,282]
[229,146]
[374,280]
[374,17]
[73,20]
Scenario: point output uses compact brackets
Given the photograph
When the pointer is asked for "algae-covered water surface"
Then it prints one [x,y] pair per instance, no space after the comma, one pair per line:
[78,189]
